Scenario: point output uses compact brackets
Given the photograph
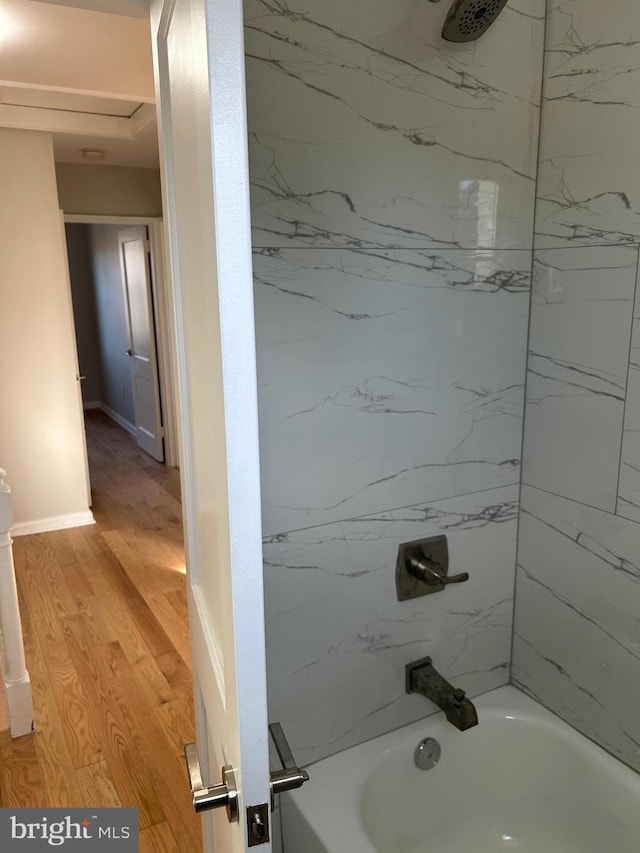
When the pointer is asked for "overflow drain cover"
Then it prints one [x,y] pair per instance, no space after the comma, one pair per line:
[427,753]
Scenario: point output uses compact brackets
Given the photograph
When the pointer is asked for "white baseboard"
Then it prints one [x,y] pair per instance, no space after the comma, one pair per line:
[123,422]
[92,404]
[56,522]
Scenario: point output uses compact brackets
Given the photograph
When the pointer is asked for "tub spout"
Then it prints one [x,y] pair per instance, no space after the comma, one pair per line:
[461,711]
[423,678]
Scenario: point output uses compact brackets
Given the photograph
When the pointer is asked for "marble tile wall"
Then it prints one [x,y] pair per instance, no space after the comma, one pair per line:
[387,377]
[629,483]
[577,615]
[577,618]
[581,317]
[339,640]
[393,187]
[368,130]
[588,180]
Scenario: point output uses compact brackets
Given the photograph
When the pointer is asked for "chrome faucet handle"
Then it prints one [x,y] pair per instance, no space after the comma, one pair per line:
[432,573]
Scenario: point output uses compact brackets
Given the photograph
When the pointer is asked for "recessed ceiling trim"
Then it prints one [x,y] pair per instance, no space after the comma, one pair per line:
[63,121]
[127,117]
[90,93]
[143,120]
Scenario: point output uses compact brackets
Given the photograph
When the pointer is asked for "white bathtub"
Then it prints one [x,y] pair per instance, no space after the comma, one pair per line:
[520,780]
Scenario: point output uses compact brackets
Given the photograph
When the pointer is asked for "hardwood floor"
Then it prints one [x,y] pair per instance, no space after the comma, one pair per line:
[107,643]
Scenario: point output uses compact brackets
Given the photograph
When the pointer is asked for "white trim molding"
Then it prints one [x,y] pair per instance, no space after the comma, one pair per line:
[56,522]
[105,219]
[123,422]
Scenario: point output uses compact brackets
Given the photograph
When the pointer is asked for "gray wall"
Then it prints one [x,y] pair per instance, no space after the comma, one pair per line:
[393,183]
[84,311]
[577,617]
[112,322]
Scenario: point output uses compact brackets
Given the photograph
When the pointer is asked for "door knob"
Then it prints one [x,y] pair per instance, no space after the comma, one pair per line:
[128,352]
[207,797]
[225,794]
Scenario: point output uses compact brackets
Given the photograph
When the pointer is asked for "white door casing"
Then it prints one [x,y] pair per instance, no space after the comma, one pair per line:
[199,65]
[136,279]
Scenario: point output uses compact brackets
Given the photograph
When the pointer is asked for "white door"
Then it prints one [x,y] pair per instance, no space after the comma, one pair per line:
[136,279]
[198,54]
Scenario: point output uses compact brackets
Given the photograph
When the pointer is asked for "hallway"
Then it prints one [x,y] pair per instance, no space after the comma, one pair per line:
[106,636]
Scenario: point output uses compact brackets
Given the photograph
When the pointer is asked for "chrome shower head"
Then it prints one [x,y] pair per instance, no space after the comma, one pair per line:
[469,19]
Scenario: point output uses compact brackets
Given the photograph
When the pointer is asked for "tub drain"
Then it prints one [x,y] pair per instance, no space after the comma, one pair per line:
[427,753]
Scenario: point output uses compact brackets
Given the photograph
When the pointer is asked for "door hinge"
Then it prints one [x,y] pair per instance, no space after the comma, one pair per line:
[258,824]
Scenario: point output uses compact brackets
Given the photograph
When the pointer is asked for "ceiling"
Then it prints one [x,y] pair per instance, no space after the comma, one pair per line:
[132,8]
[83,75]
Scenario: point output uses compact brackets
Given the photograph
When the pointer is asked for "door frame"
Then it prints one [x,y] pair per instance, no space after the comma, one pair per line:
[163,316]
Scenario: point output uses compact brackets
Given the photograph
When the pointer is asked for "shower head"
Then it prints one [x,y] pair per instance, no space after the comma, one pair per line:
[469,19]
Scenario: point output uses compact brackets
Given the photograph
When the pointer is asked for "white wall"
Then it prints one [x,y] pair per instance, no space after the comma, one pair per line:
[41,430]
[109,190]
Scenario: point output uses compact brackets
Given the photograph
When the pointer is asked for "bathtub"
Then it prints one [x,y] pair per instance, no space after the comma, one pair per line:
[521,780]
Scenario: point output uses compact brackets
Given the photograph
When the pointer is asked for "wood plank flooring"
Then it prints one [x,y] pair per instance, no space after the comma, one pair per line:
[107,644]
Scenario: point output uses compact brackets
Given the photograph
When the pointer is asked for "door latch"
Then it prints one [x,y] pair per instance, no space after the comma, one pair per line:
[225,794]
[286,779]
[258,824]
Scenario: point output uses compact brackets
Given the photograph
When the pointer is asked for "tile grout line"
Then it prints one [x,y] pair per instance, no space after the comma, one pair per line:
[496,250]
[368,515]
[626,392]
[534,253]
[609,512]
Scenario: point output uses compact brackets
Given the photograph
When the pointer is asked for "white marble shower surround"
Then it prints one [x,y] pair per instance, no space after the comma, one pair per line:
[387,377]
[577,618]
[393,185]
[338,640]
[589,174]
[581,316]
[367,130]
